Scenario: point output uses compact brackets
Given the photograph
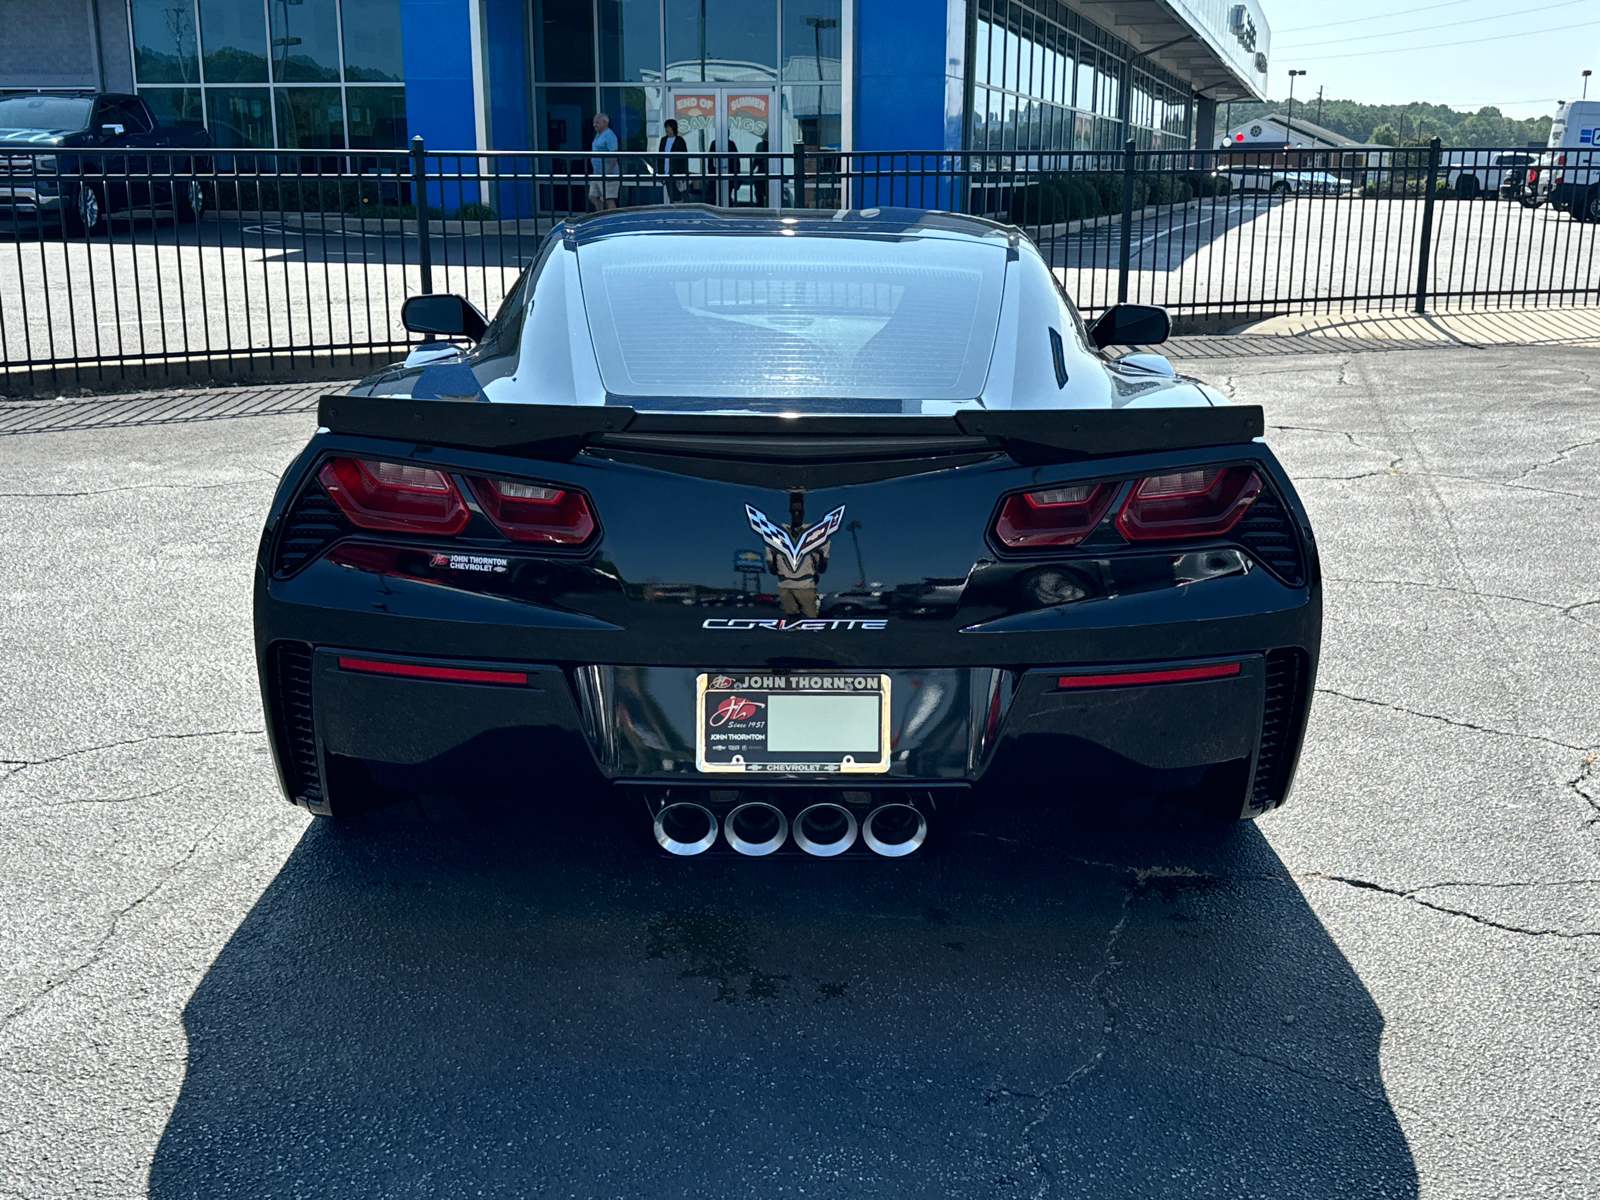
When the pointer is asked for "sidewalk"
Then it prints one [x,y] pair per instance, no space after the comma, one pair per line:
[1507,327]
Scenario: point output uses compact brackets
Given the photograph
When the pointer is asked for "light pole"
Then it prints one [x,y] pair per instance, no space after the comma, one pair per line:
[1586,75]
[1288,132]
[818,24]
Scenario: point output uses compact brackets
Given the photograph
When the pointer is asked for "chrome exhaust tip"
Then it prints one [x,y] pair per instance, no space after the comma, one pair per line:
[824,830]
[756,828]
[685,829]
[894,830]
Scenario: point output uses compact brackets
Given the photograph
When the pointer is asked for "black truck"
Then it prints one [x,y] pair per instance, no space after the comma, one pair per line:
[76,158]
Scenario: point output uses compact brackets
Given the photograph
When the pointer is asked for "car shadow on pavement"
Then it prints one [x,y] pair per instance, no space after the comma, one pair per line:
[507,1007]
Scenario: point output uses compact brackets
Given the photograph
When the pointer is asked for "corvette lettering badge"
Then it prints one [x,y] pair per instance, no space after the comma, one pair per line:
[779,539]
[802,624]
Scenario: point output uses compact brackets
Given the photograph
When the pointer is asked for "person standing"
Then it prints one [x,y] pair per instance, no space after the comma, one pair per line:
[605,171]
[673,170]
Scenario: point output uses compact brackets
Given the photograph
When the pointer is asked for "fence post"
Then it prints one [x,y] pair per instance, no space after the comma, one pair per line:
[1125,252]
[419,201]
[1426,249]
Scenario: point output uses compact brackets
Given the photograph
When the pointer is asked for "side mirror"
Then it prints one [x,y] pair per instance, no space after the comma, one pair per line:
[112,130]
[1131,325]
[447,316]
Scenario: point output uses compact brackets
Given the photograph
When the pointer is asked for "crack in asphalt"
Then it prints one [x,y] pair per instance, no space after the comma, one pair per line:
[1561,456]
[1099,985]
[1400,708]
[1566,610]
[131,487]
[99,949]
[1582,785]
[16,808]
[1412,896]
[18,765]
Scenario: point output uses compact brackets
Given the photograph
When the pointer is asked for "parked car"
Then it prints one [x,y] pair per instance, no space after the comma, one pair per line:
[1472,173]
[488,571]
[64,158]
[1297,183]
[1567,175]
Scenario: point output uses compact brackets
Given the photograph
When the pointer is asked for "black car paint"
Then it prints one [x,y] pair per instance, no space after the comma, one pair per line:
[636,602]
[612,634]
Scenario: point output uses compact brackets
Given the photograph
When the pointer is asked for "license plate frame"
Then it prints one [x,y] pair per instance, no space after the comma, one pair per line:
[737,743]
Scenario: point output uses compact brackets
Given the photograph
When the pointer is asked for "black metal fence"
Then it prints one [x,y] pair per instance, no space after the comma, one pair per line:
[151,267]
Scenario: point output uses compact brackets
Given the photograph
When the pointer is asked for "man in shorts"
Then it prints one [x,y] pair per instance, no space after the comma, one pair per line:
[605,170]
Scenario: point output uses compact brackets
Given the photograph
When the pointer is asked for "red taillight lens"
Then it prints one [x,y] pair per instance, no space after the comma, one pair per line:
[397,496]
[531,512]
[1058,516]
[1199,503]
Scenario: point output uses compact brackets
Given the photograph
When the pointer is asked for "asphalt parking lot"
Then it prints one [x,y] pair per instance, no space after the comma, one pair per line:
[1387,989]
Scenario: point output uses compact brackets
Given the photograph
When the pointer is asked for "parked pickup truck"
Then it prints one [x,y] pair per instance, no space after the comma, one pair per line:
[78,157]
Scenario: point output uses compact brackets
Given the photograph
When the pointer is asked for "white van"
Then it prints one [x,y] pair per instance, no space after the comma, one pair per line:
[1569,172]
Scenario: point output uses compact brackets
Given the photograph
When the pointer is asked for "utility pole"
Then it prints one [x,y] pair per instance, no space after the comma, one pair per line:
[1319,105]
[1586,75]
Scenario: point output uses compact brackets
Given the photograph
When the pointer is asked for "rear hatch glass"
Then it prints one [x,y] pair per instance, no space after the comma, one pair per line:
[706,317]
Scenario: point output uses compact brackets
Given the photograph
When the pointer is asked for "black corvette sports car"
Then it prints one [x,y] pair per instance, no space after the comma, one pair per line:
[795,528]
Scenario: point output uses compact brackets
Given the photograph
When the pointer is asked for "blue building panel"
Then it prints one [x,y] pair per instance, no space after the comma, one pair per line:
[436,36]
[900,74]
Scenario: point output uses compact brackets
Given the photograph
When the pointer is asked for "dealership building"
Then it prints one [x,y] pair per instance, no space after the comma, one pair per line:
[985,75]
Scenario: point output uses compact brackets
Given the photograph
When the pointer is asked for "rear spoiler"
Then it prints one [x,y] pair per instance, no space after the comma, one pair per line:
[559,431]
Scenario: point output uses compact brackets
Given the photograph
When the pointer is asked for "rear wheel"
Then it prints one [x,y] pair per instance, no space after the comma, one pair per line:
[1588,208]
[1281,188]
[190,201]
[1467,187]
[86,214]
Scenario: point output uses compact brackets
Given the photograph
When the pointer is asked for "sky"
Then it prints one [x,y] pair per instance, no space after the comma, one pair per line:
[1518,55]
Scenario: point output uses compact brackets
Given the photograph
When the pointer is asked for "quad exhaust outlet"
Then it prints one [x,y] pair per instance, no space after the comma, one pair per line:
[757,826]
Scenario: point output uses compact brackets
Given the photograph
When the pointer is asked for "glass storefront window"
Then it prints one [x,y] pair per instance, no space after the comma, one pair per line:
[635,114]
[371,42]
[310,118]
[174,106]
[565,118]
[234,38]
[305,41]
[377,117]
[563,41]
[165,41]
[239,117]
[630,41]
[733,41]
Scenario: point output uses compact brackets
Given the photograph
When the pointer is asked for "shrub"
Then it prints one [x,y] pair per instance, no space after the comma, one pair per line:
[1037,204]
[473,210]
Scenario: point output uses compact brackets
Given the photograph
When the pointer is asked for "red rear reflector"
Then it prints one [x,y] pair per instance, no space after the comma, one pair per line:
[1134,678]
[374,666]
[1184,504]
[1057,516]
[531,512]
[397,496]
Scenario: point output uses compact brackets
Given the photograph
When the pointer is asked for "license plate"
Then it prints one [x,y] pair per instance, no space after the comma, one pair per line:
[816,722]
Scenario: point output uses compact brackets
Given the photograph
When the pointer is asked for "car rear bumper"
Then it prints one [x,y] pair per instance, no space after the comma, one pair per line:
[518,727]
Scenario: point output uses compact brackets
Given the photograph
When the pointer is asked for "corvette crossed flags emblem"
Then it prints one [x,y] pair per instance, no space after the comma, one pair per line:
[778,538]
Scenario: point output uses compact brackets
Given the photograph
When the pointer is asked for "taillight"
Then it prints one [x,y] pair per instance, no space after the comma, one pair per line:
[1059,516]
[1197,503]
[530,512]
[397,496]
